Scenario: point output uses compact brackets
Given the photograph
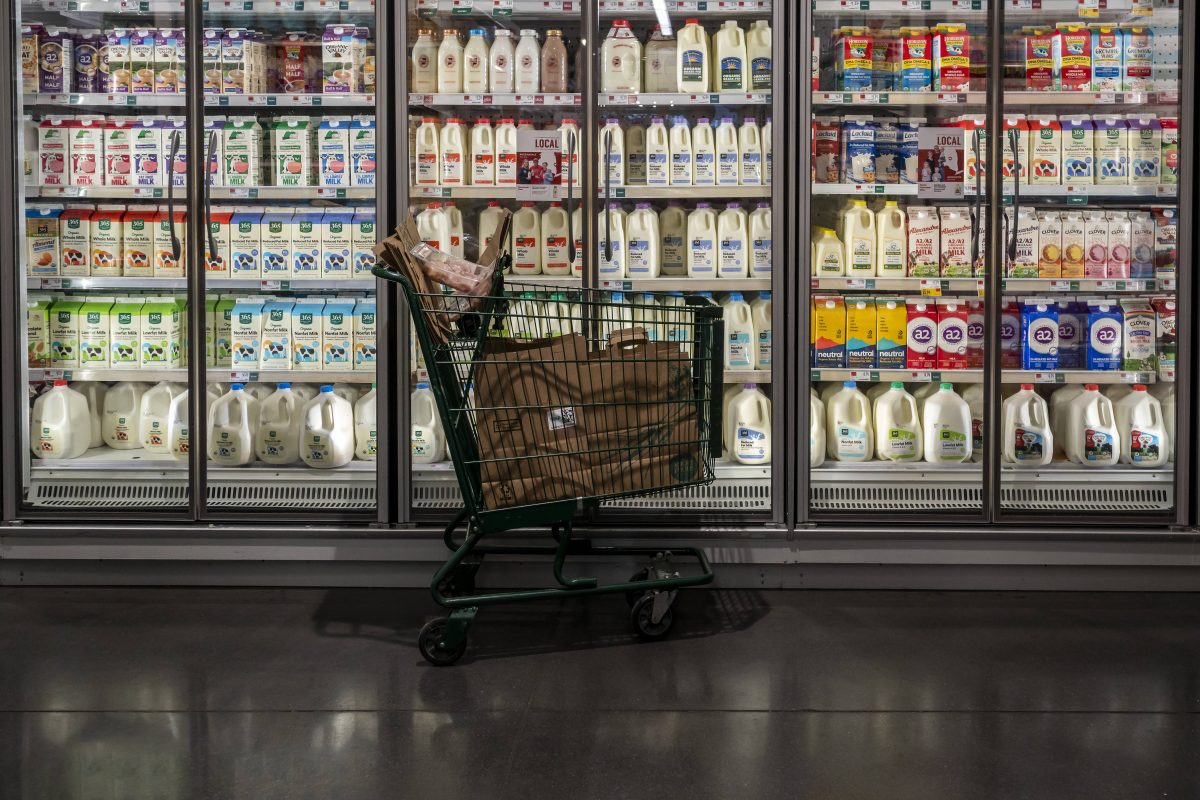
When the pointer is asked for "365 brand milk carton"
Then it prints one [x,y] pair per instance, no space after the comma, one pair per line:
[170,261]
[64,332]
[955,237]
[1039,334]
[1105,334]
[924,242]
[336,253]
[860,332]
[106,233]
[1145,149]
[306,244]
[337,333]
[1108,51]
[216,263]
[276,232]
[75,242]
[1112,149]
[294,150]
[162,333]
[1138,334]
[245,244]
[223,331]
[951,58]
[1078,150]
[1010,334]
[829,332]
[1015,160]
[37,330]
[307,320]
[333,150]
[125,332]
[362,151]
[921,333]
[94,332]
[952,333]
[1045,145]
[364,335]
[1049,244]
[891,325]
[1072,53]
[42,240]
[1072,323]
[246,331]
[275,344]
[1073,238]
[362,243]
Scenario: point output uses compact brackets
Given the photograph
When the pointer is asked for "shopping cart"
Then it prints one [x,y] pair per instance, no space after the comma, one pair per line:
[551,398]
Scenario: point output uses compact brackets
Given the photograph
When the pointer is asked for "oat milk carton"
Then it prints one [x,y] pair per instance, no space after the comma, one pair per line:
[246,328]
[245,244]
[87,151]
[955,235]
[1078,150]
[162,333]
[276,230]
[333,151]
[336,248]
[107,241]
[75,242]
[306,244]
[42,240]
[1145,149]
[95,329]
[307,320]
[37,331]
[362,151]
[891,324]
[924,242]
[54,136]
[828,332]
[137,237]
[1045,144]
[1074,245]
[1049,244]
[243,152]
[275,351]
[362,243]
[125,332]
[364,335]
[118,151]
[1108,49]
[337,333]
[293,148]
[30,38]
[1112,149]
[64,332]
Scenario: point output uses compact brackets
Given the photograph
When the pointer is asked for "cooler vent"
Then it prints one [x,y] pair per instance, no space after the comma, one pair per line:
[60,493]
[723,495]
[894,497]
[292,494]
[1090,498]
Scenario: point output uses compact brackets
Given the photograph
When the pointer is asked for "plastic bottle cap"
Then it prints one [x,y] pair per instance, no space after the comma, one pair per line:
[764,295]
[849,384]
[641,205]
[504,121]
[897,385]
[1091,387]
[528,32]
[478,32]
[493,203]
[434,205]
[1026,387]
[618,297]
[236,387]
[735,296]
[733,205]
[284,385]
[947,387]
[569,121]
[750,386]
[703,121]
[1137,387]
[703,205]
[612,121]
[483,121]
[656,120]
[327,388]
[60,382]
[749,121]
[527,204]
[419,386]
[691,21]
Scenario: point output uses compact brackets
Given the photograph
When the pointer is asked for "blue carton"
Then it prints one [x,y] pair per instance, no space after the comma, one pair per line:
[1072,346]
[1105,331]
[1039,334]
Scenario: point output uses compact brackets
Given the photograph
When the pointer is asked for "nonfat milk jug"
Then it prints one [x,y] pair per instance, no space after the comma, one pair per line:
[366,440]
[122,404]
[231,428]
[1028,435]
[739,332]
[1144,438]
[155,417]
[1091,435]
[61,425]
[277,440]
[816,430]
[849,434]
[752,419]
[897,425]
[734,242]
[947,427]
[327,436]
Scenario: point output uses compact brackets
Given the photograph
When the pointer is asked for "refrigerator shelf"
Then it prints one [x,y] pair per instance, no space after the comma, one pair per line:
[179,100]
[524,9]
[564,100]
[747,376]
[976,376]
[699,193]
[971,9]
[215,375]
[1073,194]
[648,99]
[928,286]
[1074,285]
[265,8]
[51,193]
[1057,100]
[131,284]
[683,283]
[976,286]
[635,9]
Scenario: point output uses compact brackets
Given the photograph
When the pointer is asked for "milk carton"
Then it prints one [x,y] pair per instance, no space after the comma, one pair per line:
[1072,322]
[215,157]
[921,333]
[216,263]
[75,242]
[853,60]
[1016,161]
[42,240]
[145,136]
[1137,70]
[64,332]
[293,147]
[1108,48]
[95,331]
[1141,244]
[162,333]
[306,244]
[1078,150]
[37,331]
[1072,52]
[362,151]
[125,332]
[1049,244]
[955,235]
[1166,243]
[916,60]
[1040,75]
[1045,144]
[246,330]
[362,243]
[174,151]
[1010,335]
[245,244]
[141,60]
[1138,335]
[1039,334]
[924,242]
[858,149]
[860,332]
[307,320]
[276,231]
[910,166]
[1095,245]
[829,332]
[242,151]
[951,58]
[210,51]
[333,150]
[87,151]
[1166,338]
[1120,242]
[975,334]
[337,333]
[1112,149]
[1024,263]
[339,66]
[1170,149]
[364,335]
[1074,245]
[1105,334]
[223,331]
[54,136]
[951,333]
[106,233]
[891,323]
[118,151]
[169,262]
[887,152]
[275,344]
[169,76]
[1145,149]
[234,66]
[827,149]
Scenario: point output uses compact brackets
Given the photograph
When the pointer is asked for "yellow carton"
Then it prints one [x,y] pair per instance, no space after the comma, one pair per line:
[829,332]
[860,332]
[891,324]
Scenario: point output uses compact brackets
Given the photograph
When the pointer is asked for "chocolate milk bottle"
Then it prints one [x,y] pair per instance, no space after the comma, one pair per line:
[554,63]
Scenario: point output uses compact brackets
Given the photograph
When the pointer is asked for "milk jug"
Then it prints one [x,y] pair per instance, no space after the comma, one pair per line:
[680,139]
[849,434]
[891,243]
[450,77]
[729,158]
[453,147]
[366,440]
[327,436]
[1165,392]
[1028,438]
[643,238]
[428,153]
[93,392]
[611,142]
[506,153]
[577,232]
[155,417]
[729,54]
[610,236]
[555,258]
[501,60]
[692,76]
[475,62]
[658,68]
[658,154]
[947,427]
[728,419]
[277,438]
[424,63]
[1060,411]
[858,239]
[454,227]
[483,153]
[1144,438]
[701,242]
[635,155]
[759,56]
[61,425]
[621,55]
[750,147]
[897,425]
[489,220]
[571,143]
[673,225]
[704,154]
[816,430]
[1092,437]
[760,314]
[734,241]
[434,228]
[618,316]
[752,418]
[231,428]
[181,424]
[829,389]
[974,397]
[760,241]
[768,164]
[260,392]
[827,261]
[122,404]
[528,69]
[527,241]
[739,333]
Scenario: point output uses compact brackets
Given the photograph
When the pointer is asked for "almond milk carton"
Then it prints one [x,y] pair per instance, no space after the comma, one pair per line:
[1045,144]
[107,242]
[54,136]
[138,226]
[1049,244]
[75,242]
[42,240]
[955,235]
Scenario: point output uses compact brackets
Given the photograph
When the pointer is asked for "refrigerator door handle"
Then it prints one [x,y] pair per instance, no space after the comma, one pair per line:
[209,158]
[975,243]
[607,195]
[1012,232]
[570,184]
[176,246]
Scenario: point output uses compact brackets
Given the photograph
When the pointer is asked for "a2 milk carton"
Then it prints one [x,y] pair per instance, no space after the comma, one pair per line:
[921,334]
[1072,327]
[955,258]
[924,242]
[1010,334]
[1105,335]
[952,337]
[1039,334]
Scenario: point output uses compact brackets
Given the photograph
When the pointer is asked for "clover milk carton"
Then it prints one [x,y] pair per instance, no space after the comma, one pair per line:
[336,250]
[162,333]
[1073,245]
[294,151]
[118,151]
[64,332]
[307,321]
[1139,327]
[306,243]
[95,321]
[37,330]
[275,350]
[337,333]
[246,331]
[125,332]
[364,334]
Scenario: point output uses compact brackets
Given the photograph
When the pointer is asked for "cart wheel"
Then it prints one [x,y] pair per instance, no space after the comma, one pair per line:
[633,595]
[641,615]
[431,645]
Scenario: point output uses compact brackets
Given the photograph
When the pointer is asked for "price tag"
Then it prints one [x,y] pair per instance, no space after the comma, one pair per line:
[814,375]
[462,7]
[1106,97]
[331,192]
[868,98]
[54,374]
[1048,377]
[979,290]
[832,98]
[1166,190]
[756,99]
[1022,5]
[617,286]
[856,283]
[619,99]
[1135,377]
[860,375]
[239,191]
[687,5]
[922,377]
[951,99]
[1168,284]
[1089,8]
[502,8]
[1060,286]
[256,100]
[554,5]
[1106,286]
[51,283]
[240,377]
[1143,8]
[271,286]
[427,6]
[473,99]
[931,288]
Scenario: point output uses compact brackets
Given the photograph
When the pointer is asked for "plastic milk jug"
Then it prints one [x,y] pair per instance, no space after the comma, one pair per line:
[827,255]
[702,242]
[750,147]
[768,165]
[450,52]
[610,238]
[424,63]
[483,153]
[506,153]
[617,316]
[327,436]
[122,403]
[729,55]
[571,145]
[658,154]
[180,438]
[260,392]
[693,63]
[1144,438]
[760,241]
[858,239]
[643,239]
[428,153]
[1165,392]
[947,427]
[704,154]
[672,226]
[93,392]
[974,397]
[475,63]
[635,155]
[277,440]
[231,427]
[1091,435]
[489,220]
[816,430]
[577,232]
[734,241]
[454,227]
[849,434]
[659,67]
[729,158]
[501,60]
[611,143]
[155,414]
[760,313]
[527,241]
[891,241]
[1028,437]
[728,418]
[621,55]
[453,147]
[1060,410]
[61,425]
[759,56]
[680,138]
[897,425]
[434,228]
[740,341]
[528,69]
[752,417]
[555,252]
[366,440]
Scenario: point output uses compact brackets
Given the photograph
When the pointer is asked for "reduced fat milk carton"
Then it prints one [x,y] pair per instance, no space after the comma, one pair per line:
[42,240]
[364,335]
[125,332]
[162,333]
[307,321]
[952,333]
[246,331]
[223,331]
[1138,334]
[1039,334]
[858,149]
[955,237]
[75,242]
[106,233]
[924,242]
[921,334]
[860,332]
[245,244]
[362,243]
[1105,333]
[1078,150]
[1112,149]
[306,244]
[95,330]
[275,348]
[362,151]
[336,249]
[1072,323]
[333,151]
[891,323]
[337,333]
[829,332]
[276,231]
[37,330]
[1145,149]
[138,228]
[64,332]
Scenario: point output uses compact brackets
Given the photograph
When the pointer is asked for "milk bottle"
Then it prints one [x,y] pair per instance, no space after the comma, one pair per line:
[760,241]
[327,435]
[527,241]
[454,227]
[155,418]
[766,152]
[506,153]
[366,440]
[453,146]
[752,420]
[621,55]
[428,443]
[528,72]
[1165,392]
[617,316]
[760,314]
[947,427]
[179,422]
[729,158]
[693,63]
[612,154]
[739,333]
[434,228]
[734,239]
[1028,438]
[277,440]
[680,139]
[858,239]
[1060,407]
[61,425]
[475,62]
[483,153]
[891,245]
[673,227]
[555,250]
[974,397]
[427,150]
[231,428]
[121,421]
[729,54]
[1091,435]
[704,154]
[750,147]
[658,69]
[1144,438]
[450,77]
[658,154]
[635,155]
[93,392]
[702,242]
[758,56]
[849,434]
[644,241]
[568,133]
[610,236]
[489,220]
[816,430]
[424,63]
[576,255]
[728,422]
[827,255]
[897,425]
[501,60]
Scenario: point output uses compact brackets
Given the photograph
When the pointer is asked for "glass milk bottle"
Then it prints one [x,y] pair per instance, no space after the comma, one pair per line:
[450,56]
[554,63]
[475,62]
[658,72]
[529,63]
[425,63]
[501,62]
[621,59]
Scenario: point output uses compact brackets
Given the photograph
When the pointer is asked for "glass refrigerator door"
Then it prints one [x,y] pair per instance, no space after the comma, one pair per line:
[898,240]
[101,104]
[1091,165]
[290,223]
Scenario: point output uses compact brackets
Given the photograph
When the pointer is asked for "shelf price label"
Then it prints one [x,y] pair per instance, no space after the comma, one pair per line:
[617,286]
[925,377]
[502,8]
[461,7]
[1166,190]
[1049,377]
[931,288]
[857,283]
[864,375]
[276,286]
[1106,286]
[1135,377]
[427,6]
[243,377]
[51,283]
[1089,8]
[55,375]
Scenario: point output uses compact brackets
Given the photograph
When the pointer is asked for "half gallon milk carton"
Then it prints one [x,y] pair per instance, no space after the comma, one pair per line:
[307,321]
[1072,325]
[975,334]
[1073,237]
[64,332]
[1138,330]
[1167,339]
[362,243]
[306,244]
[1072,53]
[1078,150]
[955,237]
[921,334]
[1108,48]
[275,348]
[245,244]
[333,151]
[891,323]
[1039,334]
[125,332]
[1039,61]
[246,331]
[1024,263]
[149,167]
[118,151]
[37,330]
[337,333]
[1105,335]
[42,240]
[1010,335]
[162,334]
[53,147]
[1137,70]
[853,60]
[829,332]
[951,58]
[364,335]
[169,262]
[223,331]
[336,244]
[951,333]
[1045,144]
[276,232]
[75,242]
[924,242]
[1145,149]
[138,226]
[860,332]
[87,151]
[1112,149]
[95,328]
[1049,244]
[362,151]
[108,243]
[858,149]
[216,264]
[243,152]
[294,149]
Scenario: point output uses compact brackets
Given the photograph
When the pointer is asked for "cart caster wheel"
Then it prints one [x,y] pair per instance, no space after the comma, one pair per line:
[642,614]
[633,595]
[432,648]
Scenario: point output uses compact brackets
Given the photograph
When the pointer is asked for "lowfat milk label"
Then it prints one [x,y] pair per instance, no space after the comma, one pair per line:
[948,444]
[900,445]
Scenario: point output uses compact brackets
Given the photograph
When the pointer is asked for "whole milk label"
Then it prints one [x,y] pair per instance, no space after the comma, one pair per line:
[1097,445]
[1028,445]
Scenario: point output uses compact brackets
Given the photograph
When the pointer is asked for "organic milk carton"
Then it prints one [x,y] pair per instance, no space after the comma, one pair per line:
[1165,334]
[210,328]
[307,321]
[242,151]
[1138,333]
[162,329]
[1105,332]
[1078,150]
[916,60]
[75,242]
[337,333]
[1045,144]
[64,332]
[858,149]
[1073,235]
[362,242]
[107,241]
[362,151]
[246,330]
[95,329]
[952,333]
[1166,243]
[829,332]
[891,323]
[860,332]
[137,241]
[1015,163]
[275,348]
[125,332]
[364,334]
[234,64]
[54,136]
[1108,48]
[87,151]
[1049,244]
[223,331]
[1024,263]
[216,263]
[951,58]
[42,240]
[1137,69]
[921,333]
[1095,245]
[955,258]
[336,244]
[1010,335]
[145,141]
[853,60]
[1072,52]
[333,151]
[1170,150]
[245,244]
[1039,334]
[924,242]
[1112,149]
[169,262]
[1072,322]
[306,244]
[37,330]
[340,69]
[1141,244]
[276,231]
[293,146]
[1145,149]
[975,334]
[1040,74]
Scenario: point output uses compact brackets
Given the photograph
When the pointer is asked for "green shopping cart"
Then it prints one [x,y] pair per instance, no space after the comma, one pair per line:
[552,399]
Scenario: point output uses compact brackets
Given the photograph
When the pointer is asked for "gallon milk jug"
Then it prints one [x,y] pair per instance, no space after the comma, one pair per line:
[1060,412]
[702,242]
[704,154]
[506,153]
[768,163]
[611,142]
[891,248]
[527,241]
[571,144]
[501,60]
[635,155]
[750,147]
[680,139]
[453,147]
[829,389]
[231,428]
[483,153]
[1144,439]
[122,404]
[621,55]
[528,70]
[1092,438]
[758,56]
[1165,392]
[277,440]
[155,417]
[260,392]
[816,430]
[434,228]
[849,434]
[760,241]
[555,258]
[180,425]
[658,66]
[752,418]
[1028,438]
[878,390]
[692,76]
[610,237]
[489,220]
[728,419]
[739,333]
[947,427]
[366,440]
[734,242]
[94,392]
[760,314]
[643,239]
[454,228]
[450,77]
[673,226]
[61,425]
[475,62]
[424,63]
[658,154]
[427,149]
[729,158]
[577,232]
[327,436]
[827,254]
[729,55]
[858,239]
[897,425]
[974,397]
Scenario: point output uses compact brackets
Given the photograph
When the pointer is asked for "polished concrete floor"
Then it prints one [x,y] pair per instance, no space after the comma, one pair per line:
[162,694]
